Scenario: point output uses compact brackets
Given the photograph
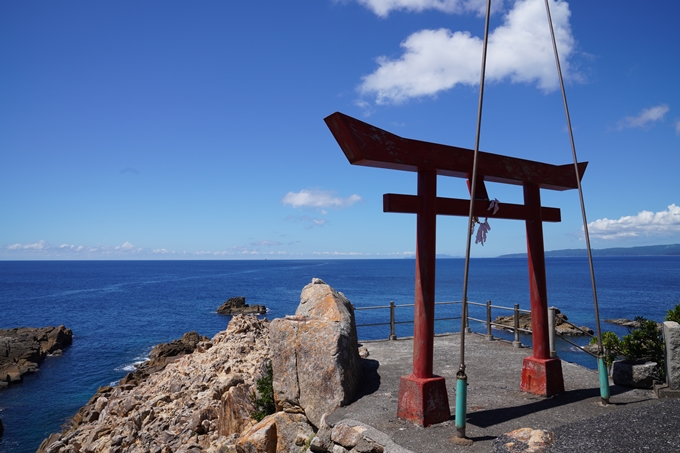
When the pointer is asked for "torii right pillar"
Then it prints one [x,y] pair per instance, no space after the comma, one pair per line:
[541,374]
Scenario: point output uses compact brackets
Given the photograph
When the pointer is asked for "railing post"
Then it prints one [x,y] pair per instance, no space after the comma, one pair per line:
[551,331]
[516,343]
[393,335]
[467,318]
[489,335]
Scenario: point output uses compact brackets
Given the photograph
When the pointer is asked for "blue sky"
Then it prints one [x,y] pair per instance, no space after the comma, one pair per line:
[177,130]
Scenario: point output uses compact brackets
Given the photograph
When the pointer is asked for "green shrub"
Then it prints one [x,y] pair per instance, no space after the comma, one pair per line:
[644,341]
[611,343]
[263,399]
[674,314]
[308,443]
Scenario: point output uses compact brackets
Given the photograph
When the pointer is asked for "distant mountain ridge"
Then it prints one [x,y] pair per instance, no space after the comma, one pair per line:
[646,250]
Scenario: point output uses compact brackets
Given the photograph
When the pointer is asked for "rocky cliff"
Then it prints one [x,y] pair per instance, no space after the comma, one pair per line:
[197,402]
[203,401]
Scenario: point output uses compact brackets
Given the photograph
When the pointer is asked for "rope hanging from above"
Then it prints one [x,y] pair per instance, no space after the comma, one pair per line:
[461,377]
[604,383]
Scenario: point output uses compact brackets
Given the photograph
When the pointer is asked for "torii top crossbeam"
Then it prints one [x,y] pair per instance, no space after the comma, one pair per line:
[370,146]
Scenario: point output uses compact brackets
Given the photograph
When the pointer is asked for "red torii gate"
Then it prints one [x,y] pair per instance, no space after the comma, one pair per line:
[422,395]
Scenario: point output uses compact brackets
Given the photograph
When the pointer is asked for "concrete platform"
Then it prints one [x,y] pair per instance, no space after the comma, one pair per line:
[634,421]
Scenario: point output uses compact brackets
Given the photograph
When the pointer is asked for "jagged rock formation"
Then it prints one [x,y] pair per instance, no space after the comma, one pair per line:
[23,349]
[317,368]
[202,401]
[562,327]
[238,306]
[164,353]
[194,403]
[315,354]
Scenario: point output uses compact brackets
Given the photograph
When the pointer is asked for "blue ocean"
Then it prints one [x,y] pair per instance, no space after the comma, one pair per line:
[118,310]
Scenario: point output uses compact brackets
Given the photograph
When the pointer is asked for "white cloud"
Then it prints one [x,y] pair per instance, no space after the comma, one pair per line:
[309,222]
[265,243]
[383,7]
[519,50]
[129,170]
[645,117]
[341,253]
[645,223]
[43,250]
[319,199]
[40,245]
[677,127]
[366,107]
[65,250]
[366,254]
[126,246]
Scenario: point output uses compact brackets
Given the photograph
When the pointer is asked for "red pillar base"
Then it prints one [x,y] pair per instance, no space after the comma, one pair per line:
[542,376]
[423,400]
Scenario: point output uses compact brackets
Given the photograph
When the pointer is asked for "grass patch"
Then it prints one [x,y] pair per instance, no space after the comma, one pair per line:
[263,398]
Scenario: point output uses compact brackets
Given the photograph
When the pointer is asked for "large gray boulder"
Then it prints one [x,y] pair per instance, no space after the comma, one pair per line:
[671,337]
[671,334]
[634,373]
[315,358]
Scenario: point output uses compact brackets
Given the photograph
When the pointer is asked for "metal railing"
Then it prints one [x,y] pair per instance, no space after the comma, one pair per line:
[488,322]
[552,332]
[393,322]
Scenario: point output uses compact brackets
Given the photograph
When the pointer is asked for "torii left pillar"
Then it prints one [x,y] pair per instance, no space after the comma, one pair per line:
[422,395]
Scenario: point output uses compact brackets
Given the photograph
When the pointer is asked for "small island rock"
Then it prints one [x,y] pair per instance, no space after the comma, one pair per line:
[238,306]
[623,322]
[561,325]
[23,349]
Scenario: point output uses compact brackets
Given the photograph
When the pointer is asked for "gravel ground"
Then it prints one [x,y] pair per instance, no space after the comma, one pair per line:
[635,421]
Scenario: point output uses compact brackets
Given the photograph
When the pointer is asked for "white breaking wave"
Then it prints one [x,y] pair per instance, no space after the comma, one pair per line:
[129,367]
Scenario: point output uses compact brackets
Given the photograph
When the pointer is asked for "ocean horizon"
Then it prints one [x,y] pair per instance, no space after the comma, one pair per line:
[118,310]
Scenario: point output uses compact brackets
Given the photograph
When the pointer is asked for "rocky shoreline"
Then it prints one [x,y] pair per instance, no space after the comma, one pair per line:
[172,402]
[23,349]
[197,394]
